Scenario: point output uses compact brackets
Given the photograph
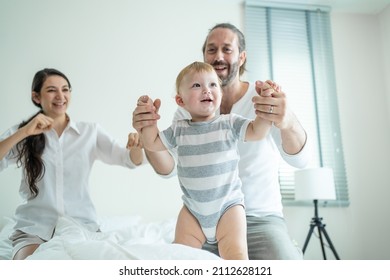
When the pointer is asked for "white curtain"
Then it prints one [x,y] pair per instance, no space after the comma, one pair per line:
[292,45]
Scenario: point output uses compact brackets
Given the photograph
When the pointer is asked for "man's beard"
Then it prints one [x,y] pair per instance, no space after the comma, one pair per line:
[231,74]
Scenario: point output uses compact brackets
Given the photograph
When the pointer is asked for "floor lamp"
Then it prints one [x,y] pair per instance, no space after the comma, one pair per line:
[316,184]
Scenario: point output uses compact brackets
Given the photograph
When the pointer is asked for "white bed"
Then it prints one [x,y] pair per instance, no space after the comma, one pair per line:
[122,238]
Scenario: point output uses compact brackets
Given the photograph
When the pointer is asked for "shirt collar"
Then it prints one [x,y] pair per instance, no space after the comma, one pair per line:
[73,125]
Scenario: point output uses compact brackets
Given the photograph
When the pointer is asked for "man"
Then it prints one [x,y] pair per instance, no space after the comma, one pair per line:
[224,49]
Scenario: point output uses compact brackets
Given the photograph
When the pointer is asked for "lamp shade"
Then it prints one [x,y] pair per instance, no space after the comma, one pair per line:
[314,183]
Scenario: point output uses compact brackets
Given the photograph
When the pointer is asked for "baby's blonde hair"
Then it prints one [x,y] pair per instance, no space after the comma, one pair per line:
[195,67]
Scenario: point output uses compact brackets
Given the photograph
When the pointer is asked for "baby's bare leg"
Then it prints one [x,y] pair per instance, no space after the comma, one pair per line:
[188,231]
[231,234]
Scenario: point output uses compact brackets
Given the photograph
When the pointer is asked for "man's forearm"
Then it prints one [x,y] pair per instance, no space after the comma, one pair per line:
[293,138]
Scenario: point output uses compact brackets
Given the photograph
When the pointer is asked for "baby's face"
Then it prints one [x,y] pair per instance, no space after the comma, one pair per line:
[201,95]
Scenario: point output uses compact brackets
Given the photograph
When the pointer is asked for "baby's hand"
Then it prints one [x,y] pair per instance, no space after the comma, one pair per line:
[134,141]
[144,100]
[267,88]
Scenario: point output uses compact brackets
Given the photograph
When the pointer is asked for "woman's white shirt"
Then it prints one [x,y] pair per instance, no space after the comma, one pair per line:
[64,189]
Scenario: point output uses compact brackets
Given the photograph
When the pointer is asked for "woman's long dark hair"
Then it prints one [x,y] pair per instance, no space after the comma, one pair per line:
[31,148]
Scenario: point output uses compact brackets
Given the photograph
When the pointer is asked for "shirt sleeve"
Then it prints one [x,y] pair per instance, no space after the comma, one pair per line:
[109,151]
[299,160]
[239,125]
[168,138]
[11,156]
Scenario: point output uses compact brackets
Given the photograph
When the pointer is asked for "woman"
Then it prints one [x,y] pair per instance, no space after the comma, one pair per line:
[57,155]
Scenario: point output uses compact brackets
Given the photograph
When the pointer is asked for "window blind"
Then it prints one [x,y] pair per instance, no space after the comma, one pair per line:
[292,45]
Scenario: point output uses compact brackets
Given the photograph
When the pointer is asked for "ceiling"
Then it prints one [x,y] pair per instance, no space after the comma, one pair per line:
[346,6]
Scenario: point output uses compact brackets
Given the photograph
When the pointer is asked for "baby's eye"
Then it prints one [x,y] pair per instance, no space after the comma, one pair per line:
[196,85]
[214,84]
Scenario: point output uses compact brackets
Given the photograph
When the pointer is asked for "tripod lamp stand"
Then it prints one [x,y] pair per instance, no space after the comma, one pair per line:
[316,184]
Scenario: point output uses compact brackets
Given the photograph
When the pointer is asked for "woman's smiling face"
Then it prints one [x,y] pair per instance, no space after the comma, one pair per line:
[54,96]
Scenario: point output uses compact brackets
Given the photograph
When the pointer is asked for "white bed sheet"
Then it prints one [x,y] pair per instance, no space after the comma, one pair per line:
[122,238]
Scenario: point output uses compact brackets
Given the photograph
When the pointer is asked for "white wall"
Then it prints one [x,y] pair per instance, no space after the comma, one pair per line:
[385,31]
[114,51]
[361,60]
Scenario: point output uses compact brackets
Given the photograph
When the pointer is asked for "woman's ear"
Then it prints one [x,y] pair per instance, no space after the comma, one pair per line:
[179,100]
[35,97]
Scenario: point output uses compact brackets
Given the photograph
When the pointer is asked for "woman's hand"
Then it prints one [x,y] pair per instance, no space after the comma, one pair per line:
[134,141]
[38,125]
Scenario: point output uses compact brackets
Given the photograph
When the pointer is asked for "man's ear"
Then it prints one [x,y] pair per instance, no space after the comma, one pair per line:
[242,58]
[35,97]
[179,100]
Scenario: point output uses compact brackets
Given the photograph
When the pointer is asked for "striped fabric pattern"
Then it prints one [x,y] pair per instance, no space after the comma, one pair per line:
[207,166]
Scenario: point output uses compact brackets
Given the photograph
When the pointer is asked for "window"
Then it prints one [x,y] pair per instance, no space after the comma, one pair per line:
[292,45]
